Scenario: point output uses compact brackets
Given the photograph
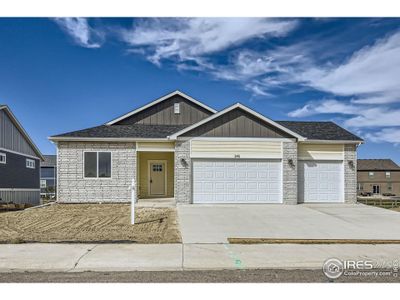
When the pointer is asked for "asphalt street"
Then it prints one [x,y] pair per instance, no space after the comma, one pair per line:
[222,276]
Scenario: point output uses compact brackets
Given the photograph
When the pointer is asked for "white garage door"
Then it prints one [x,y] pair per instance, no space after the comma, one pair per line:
[237,181]
[321,181]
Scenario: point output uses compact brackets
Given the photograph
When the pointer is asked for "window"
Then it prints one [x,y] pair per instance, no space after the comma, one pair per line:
[371,174]
[177,108]
[387,174]
[360,187]
[47,172]
[30,163]
[97,164]
[157,168]
[43,184]
[389,186]
[3,158]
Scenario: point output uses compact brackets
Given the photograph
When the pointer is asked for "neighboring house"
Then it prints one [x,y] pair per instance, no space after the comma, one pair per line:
[19,162]
[378,177]
[179,147]
[48,180]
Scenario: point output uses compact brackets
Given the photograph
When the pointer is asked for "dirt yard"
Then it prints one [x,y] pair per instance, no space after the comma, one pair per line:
[89,223]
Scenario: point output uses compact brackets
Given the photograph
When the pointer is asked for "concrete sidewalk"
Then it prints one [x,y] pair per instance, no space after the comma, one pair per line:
[170,257]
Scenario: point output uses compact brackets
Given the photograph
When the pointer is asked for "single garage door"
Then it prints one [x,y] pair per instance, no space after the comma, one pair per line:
[321,181]
[237,181]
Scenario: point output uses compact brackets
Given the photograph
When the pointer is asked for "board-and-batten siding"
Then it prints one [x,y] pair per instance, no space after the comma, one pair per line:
[237,123]
[163,113]
[236,149]
[321,152]
[11,138]
[21,197]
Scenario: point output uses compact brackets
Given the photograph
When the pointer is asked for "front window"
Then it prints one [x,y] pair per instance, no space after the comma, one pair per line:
[387,174]
[371,174]
[30,163]
[43,184]
[97,164]
[3,158]
[360,187]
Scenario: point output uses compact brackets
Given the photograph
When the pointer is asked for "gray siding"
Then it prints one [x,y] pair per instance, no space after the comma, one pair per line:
[163,113]
[20,197]
[11,138]
[237,123]
[15,174]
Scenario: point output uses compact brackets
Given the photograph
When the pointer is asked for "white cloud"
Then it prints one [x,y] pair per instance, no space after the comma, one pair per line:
[81,32]
[190,38]
[325,107]
[389,135]
[371,74]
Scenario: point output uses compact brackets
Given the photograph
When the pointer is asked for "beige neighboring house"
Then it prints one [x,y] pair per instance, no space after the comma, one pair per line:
[179,148]
[378,177]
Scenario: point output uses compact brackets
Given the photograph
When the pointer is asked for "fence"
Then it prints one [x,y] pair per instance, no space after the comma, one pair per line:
[385,203]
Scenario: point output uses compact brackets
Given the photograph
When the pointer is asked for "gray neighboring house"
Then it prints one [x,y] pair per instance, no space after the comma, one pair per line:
[48,176]
[19,162]
[180,148]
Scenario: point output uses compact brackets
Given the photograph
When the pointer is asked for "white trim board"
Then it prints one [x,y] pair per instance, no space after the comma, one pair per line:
[18,190]
[245,108]
[19,153]
[158,101]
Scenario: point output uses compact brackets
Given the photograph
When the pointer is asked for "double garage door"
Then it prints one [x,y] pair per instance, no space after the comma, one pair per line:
[237,181]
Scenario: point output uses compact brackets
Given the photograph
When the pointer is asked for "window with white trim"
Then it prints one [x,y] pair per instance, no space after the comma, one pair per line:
[371,174]
[97,164]
[3,158]
[30,163]
[387,174]
[43,184]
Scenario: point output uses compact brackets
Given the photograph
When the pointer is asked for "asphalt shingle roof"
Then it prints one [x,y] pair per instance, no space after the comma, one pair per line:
[125,131]
[320,130]
[377,165]
[49,161]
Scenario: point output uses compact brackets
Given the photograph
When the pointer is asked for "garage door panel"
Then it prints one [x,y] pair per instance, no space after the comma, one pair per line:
[237,181]
[321,181]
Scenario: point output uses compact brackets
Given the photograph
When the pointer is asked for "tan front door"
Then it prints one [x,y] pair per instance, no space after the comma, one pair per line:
[157,178]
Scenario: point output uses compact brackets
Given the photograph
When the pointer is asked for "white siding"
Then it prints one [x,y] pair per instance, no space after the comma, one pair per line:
[321,151]
[235,149]
[156,146]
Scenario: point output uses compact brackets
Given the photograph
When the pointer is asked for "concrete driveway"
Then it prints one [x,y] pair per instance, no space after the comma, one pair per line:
[216,223]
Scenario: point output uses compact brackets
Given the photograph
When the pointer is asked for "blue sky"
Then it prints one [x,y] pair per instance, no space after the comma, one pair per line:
[60,75]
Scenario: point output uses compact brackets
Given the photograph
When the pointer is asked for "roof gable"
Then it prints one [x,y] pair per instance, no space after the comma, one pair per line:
[160,112]
[26,145]
[237,121]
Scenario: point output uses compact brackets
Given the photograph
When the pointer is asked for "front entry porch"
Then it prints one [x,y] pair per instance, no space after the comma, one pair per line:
[155,177]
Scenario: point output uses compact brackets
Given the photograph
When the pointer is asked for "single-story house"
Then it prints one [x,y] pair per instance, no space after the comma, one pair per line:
[181,148]
[19,162]
[378,177]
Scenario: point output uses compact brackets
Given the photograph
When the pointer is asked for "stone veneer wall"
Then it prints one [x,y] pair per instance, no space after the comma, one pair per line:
[73,187]
[289,173]
[183,183]
[350,173]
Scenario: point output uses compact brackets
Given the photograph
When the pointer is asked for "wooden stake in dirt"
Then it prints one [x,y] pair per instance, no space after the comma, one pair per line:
[133,200]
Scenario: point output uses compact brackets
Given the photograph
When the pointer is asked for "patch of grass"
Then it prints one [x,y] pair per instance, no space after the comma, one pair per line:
[89,223]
